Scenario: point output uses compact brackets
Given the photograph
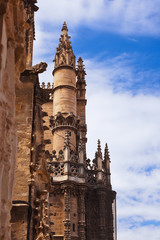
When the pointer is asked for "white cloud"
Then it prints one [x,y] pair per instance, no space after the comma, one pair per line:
[130,125]
[127,17]
[45,44]
[140,233]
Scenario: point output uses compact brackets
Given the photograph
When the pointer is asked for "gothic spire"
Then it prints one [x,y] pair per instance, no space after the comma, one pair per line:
[80,71]
[107,160]
[64,56]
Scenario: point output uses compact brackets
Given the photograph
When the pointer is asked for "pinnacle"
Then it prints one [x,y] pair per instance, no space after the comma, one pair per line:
[99,148]
[64,26]
[80,60]
[99,144]
[80,65]
[106,153]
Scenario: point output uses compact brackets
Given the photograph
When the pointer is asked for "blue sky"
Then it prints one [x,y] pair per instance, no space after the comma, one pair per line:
[119,41]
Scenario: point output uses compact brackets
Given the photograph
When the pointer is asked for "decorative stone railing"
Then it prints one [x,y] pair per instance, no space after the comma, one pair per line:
[59,169]
[46,86]
[70,165]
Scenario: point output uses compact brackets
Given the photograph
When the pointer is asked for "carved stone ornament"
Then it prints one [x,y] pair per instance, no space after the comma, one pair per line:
[91,165]
[64,55]
[31,3]
[60,120]
[38,68]
[91,177]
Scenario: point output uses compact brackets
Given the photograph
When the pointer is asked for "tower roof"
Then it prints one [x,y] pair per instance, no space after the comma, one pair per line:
[64,56]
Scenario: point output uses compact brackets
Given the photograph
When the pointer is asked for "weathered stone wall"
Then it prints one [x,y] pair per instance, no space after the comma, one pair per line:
[57,214]
[48,137]
[19,215]
[24,113]
[12,62]
[74,216]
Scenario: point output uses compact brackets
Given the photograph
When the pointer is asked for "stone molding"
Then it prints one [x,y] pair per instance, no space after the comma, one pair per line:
[64,121]
[64,86]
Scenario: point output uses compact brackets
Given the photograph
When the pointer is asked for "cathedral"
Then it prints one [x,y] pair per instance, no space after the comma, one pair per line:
[58,193]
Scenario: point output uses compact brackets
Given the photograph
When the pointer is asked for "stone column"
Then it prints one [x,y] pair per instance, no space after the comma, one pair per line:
[81,223]
[67,222]
[32,196]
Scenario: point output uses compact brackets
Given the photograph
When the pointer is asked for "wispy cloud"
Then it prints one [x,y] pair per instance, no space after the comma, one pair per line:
[130,125]
[140,233]
[137,17]
[122,73]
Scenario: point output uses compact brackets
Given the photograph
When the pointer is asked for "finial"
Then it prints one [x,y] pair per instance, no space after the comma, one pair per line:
[80,61]
[64,26]
[43,85]
[106,162]
[99,152]
[106,153]
[106,166]
[80,71]
[80,64]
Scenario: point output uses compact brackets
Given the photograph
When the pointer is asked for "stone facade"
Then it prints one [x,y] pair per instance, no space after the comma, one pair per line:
[58,193]
[14,23]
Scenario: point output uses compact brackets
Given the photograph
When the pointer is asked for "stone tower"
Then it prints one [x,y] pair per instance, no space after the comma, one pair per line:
[67,163]
[69,197]
[81,198]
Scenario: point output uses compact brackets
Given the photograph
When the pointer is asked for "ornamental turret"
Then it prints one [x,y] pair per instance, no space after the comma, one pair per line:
[64,93]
